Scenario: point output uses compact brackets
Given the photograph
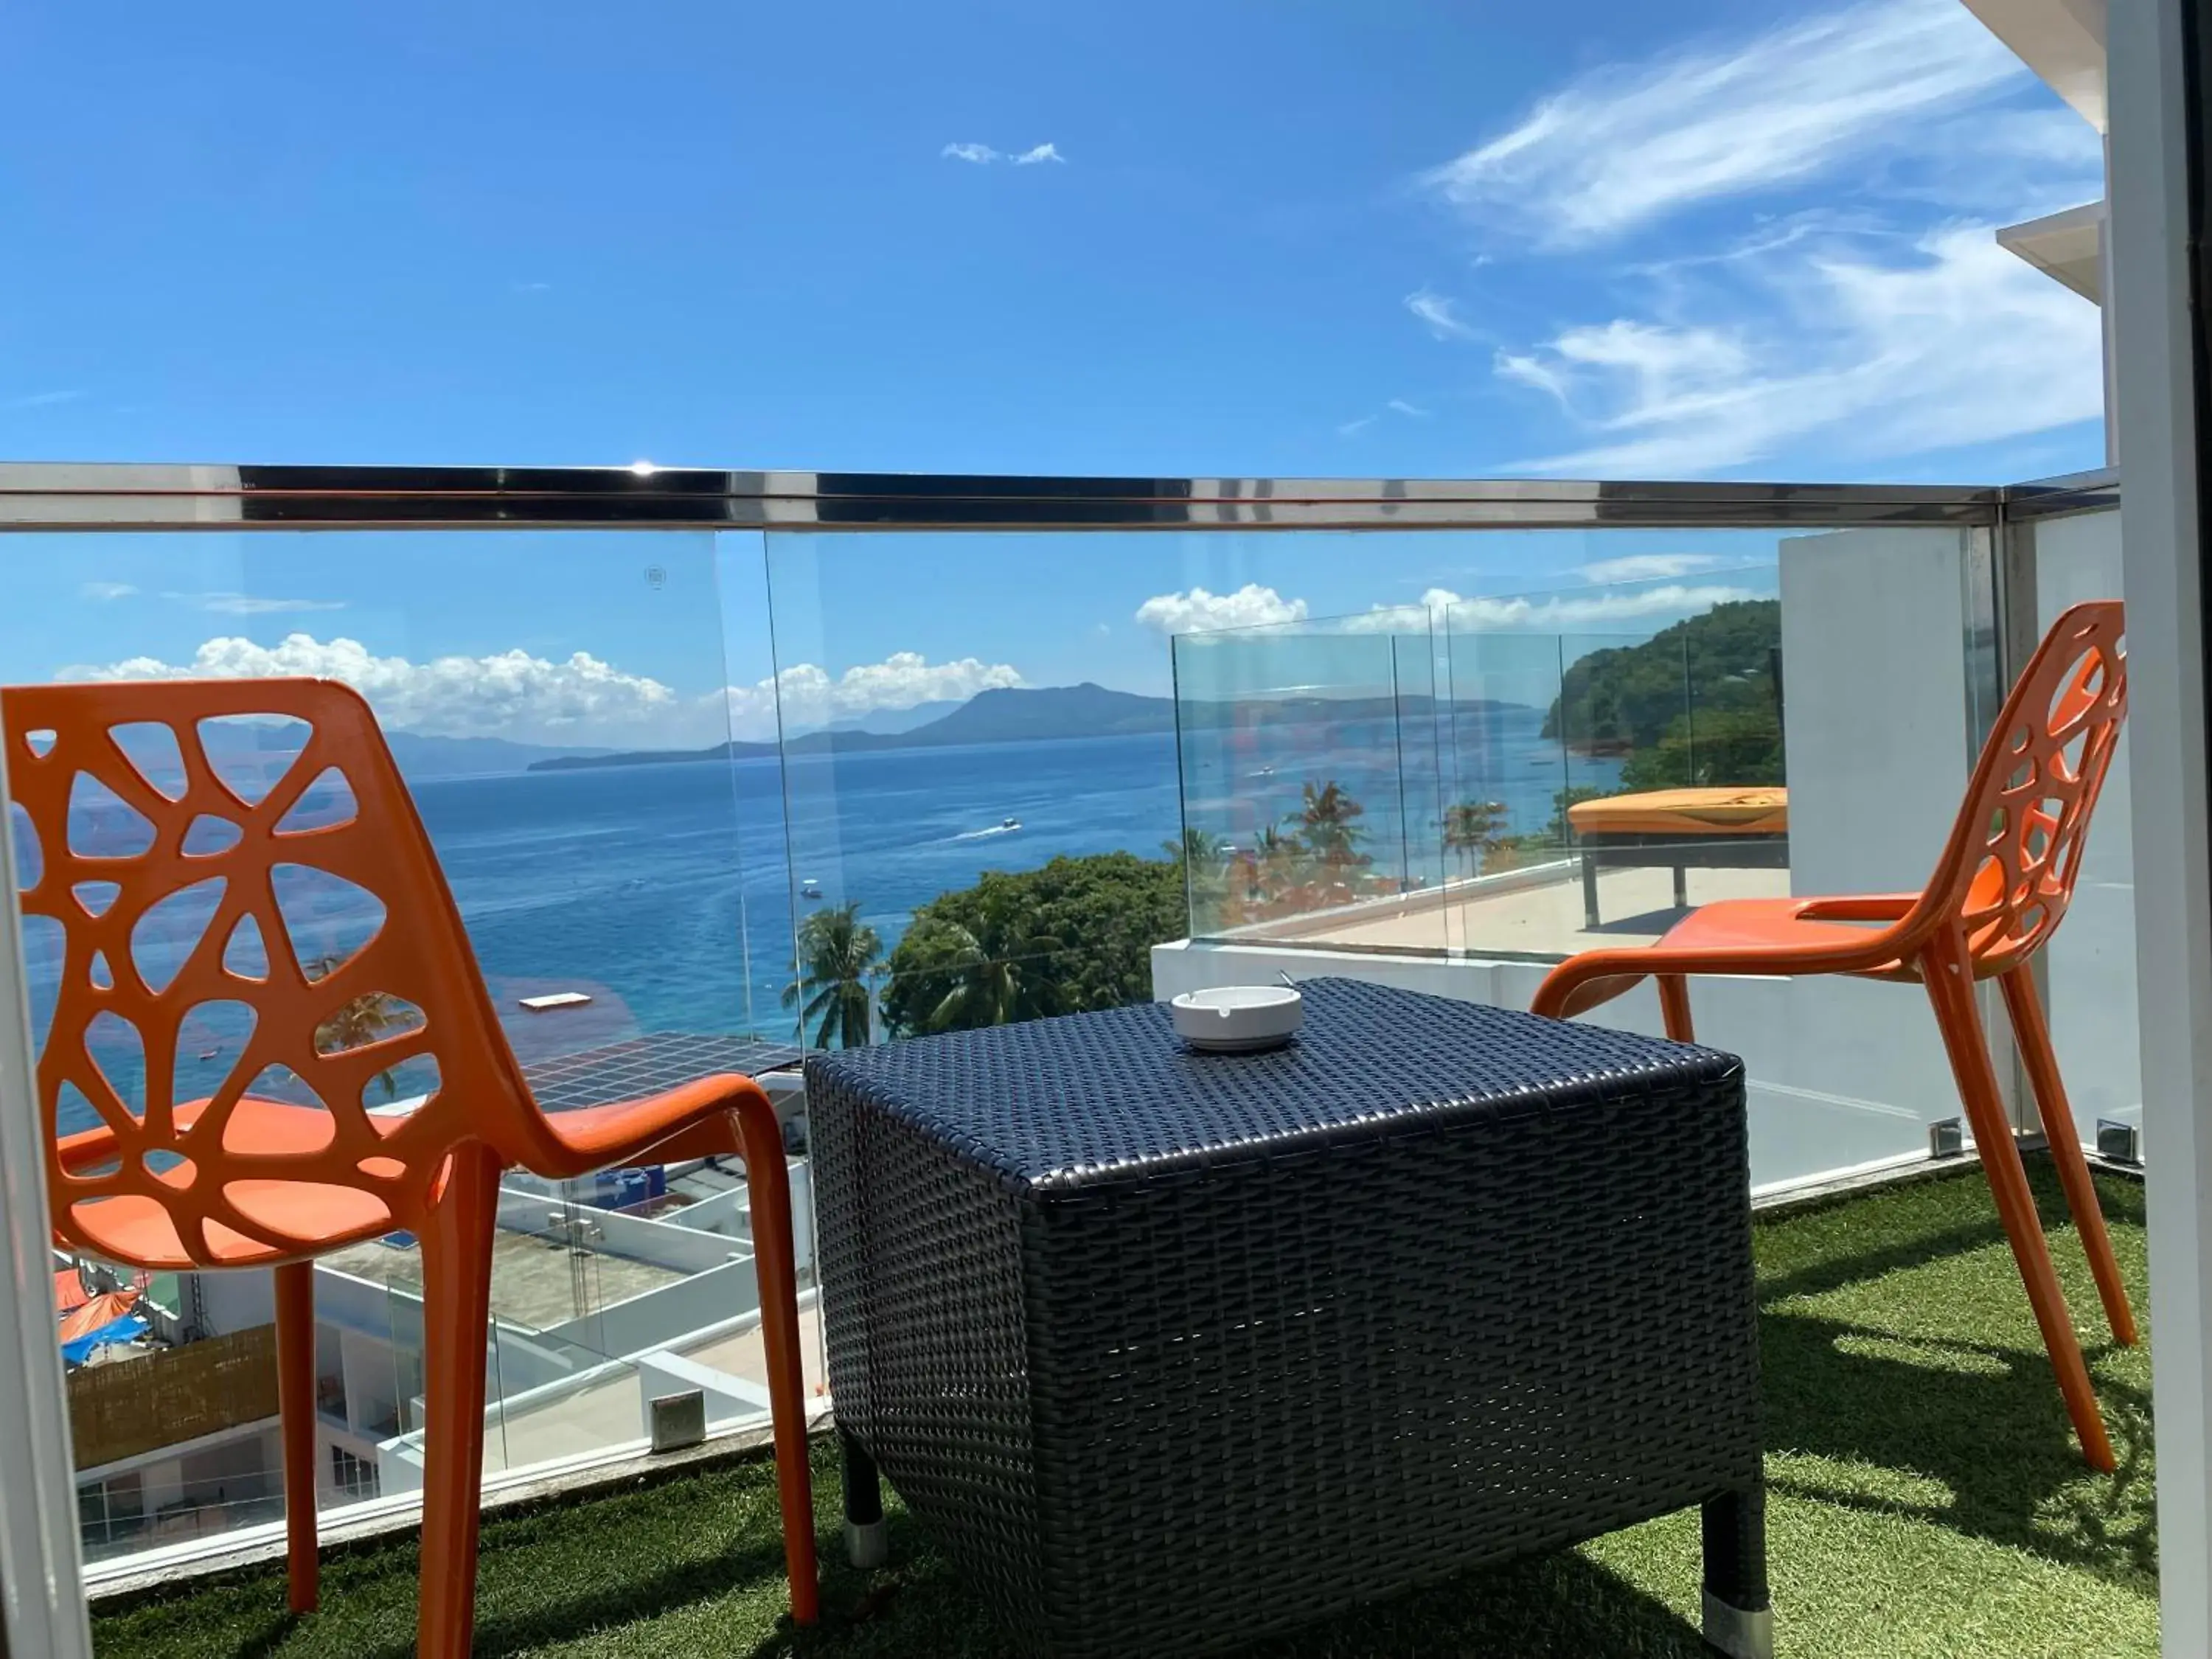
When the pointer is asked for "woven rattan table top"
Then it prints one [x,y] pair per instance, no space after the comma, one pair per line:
[1097,1096]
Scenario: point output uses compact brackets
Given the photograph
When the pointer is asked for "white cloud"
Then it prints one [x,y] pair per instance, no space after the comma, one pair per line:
[1353,429]
[1839,347]
[1440,314]
[983,155]
[1196,610]
[580,699]
[1545,612]
[810,696]
[1626,144]
[1400,406]
[108,590]
[1649,567]
[252,604]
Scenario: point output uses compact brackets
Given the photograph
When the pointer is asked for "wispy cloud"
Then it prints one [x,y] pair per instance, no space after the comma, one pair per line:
[1393,406]
[1543,612]
[1648,566]
[42,399]
[1196,610]
[532,288]
[251,604]
[1842,348]
[103,591]
[1627,144]
[983,155]
[805,695]
[1440,314]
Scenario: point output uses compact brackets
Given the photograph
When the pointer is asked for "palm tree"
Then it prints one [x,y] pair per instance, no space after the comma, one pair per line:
[1473,829]
[999,972]
[838,953]
[1196,849]
[368,1017]
[1273,869]
[1326,821]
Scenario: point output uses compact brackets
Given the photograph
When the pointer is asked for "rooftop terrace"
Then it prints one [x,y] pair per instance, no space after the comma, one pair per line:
[1926,1500]
[534,1278]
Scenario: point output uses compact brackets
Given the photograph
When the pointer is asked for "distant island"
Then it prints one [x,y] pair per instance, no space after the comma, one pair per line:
[1055,713]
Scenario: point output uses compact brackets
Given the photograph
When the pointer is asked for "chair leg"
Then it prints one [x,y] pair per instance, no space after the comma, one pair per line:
[295,1405]
[2057,1114]
[1951,990]
[768,1186]
[457,1239]
[1674,1004]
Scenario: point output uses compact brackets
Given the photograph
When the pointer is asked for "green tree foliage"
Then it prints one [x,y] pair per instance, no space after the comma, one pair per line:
[369,1017]
[1075,935]
[1695,704]
[838,953]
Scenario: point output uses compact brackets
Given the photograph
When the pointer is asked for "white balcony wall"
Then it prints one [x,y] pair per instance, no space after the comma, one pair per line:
[1873,630]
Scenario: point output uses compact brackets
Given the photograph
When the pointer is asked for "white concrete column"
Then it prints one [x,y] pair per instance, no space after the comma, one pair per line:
[2161,535]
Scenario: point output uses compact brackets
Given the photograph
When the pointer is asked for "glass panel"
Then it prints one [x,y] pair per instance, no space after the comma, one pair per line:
[1308,759]
[2088,981]
[560,706]
[1508,773]
[981,774]
[1878,737]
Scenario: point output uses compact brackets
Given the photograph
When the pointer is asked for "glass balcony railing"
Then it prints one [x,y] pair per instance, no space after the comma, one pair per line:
[1454,785]
[724,767]
[607,907]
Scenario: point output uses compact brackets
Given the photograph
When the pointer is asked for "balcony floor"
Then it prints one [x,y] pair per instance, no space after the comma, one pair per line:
[1634,907]
[1927,1500]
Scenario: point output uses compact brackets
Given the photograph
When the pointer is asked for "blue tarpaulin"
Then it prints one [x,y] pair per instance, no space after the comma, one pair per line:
[115,1330]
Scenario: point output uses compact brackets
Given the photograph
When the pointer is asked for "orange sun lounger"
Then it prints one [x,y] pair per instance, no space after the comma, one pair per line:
[1735,828]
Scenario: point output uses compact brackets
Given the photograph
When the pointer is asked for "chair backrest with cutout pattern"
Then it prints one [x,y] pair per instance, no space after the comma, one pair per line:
[238,902]
[2008,871]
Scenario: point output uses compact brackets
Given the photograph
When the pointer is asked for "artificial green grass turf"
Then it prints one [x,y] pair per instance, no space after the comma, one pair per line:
[1926,1499]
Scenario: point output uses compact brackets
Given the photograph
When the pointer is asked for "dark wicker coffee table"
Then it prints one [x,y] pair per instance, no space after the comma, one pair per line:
[1170,1351]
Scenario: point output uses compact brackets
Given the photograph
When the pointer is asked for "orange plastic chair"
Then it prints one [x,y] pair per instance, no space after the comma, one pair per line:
[238,1180]
[1998,892]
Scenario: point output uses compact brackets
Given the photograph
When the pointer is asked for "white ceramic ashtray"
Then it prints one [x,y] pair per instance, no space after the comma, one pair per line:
[1237,1019]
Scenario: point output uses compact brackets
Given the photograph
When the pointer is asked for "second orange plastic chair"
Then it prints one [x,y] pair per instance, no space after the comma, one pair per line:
[1999,890]
[235,1180]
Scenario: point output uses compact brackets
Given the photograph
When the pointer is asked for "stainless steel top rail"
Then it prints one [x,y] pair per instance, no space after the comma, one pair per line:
[111,496]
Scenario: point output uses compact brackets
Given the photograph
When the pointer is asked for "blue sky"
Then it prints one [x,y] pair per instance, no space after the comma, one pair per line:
[1598,240]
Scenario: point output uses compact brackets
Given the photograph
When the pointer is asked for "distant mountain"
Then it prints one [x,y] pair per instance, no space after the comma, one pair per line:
[421,756]
[889,722]
[1012,715]
[1036,714]
[270,749]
